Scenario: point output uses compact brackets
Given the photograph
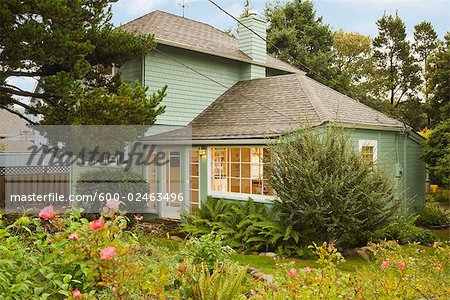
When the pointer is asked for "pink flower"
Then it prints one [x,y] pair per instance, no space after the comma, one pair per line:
[401,265]
[138,217]
[47,213]
[73,236]
[422,251]
[292,272]
[112,204]
[307,270]
[385,264]
[97,224]
[77,294]
[107,253]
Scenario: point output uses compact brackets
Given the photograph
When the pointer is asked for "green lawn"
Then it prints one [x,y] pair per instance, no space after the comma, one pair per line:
[268,265]
[442,234]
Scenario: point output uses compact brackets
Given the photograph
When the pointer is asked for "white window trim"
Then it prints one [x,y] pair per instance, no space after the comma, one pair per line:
[370,143]
[230,195]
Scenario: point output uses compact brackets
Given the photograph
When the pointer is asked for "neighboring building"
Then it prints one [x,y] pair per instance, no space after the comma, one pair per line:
[234,96]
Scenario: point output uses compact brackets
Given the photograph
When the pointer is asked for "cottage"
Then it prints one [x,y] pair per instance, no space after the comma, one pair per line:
[233,96]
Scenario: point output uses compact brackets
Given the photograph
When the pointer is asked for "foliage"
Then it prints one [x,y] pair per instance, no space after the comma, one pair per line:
[245,226]
[111,183]
[69,45]
[298,33]
[353,60]
[394,273]
[438,82]
[432,215]
[395,63]
[327,193]
[207,250]
[425,42]
[225,282]
[437,154]
[57,255]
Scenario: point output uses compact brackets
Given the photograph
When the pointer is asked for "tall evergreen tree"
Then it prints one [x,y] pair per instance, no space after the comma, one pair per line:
[67,46]
[397,68]
[425,42]
[297,36]
[438,78]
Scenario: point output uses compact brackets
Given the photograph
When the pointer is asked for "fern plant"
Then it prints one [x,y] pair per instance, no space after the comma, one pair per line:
[224,283]
[245,226]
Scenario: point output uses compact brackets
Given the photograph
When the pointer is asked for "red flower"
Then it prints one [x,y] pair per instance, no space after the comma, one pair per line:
[97,224]
[422,251]
[439,266]
[73,236]
[292,272]
[107,253]
[385,265]
[401,265]
[77,294]
[47,212]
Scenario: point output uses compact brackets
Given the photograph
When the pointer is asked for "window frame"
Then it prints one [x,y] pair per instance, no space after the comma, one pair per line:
[233,195]
[369,143]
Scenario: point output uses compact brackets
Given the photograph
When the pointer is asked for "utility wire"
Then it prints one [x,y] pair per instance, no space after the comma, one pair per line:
[223,85]
[276,47]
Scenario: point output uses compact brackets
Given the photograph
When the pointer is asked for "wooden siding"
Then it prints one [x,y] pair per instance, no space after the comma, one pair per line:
[188,93]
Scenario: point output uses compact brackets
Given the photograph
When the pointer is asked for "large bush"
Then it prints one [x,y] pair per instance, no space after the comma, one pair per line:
[327,192]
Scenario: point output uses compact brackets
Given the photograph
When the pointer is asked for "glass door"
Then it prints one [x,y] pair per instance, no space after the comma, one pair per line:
[172,185]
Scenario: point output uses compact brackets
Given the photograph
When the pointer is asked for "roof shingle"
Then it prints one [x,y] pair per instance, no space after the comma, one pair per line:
[184,33]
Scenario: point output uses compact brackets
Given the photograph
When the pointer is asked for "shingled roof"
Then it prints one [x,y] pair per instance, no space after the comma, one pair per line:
[188,34]
[277,105]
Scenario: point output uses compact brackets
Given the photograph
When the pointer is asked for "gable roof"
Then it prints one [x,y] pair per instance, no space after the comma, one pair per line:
[188,34]
[277,105]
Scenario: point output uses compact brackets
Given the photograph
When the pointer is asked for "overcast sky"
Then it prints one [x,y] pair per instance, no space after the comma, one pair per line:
[350,15]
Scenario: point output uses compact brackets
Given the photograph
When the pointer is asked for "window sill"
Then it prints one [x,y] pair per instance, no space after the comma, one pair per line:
[243,197]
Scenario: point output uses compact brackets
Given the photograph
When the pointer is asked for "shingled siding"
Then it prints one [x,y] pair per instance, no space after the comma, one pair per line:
[188,93]
[394,148]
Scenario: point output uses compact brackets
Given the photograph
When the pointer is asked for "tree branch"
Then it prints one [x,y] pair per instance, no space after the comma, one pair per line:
[17,114]
[18,92]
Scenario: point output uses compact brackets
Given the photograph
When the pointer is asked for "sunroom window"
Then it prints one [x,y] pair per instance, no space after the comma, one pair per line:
[239,170]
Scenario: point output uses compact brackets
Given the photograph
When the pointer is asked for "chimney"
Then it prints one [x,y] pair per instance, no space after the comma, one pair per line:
[252,44]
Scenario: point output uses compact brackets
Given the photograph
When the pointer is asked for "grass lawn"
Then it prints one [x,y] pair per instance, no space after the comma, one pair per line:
[268,265]
[442,234]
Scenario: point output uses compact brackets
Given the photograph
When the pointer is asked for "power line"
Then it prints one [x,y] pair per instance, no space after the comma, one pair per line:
[276,47]
[222,85]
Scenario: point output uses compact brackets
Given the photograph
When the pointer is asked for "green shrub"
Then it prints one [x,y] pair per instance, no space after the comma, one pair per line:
[432,215]
[109,183]
[208,250]
[327,192]
[244,225]
[402,228]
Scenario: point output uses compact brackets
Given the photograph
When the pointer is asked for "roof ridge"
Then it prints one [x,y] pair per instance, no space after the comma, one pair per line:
[319,109]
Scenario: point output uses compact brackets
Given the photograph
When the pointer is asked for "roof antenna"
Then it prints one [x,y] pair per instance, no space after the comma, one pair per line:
[183,5]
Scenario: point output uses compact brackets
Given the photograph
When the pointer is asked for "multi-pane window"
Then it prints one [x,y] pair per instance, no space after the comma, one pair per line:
[194,182]
[368,150]
[367,153]
[239,170]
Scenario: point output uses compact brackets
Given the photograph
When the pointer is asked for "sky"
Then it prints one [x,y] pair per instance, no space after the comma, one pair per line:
[350,15]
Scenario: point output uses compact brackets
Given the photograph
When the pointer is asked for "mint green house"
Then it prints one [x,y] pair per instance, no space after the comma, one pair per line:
[233,96]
